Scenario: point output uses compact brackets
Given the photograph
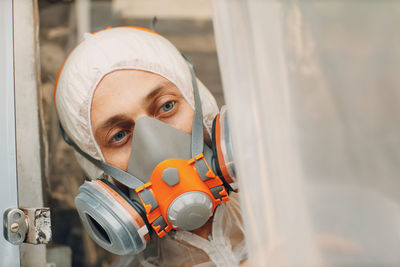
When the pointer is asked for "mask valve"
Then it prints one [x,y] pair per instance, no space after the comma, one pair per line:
[190,211]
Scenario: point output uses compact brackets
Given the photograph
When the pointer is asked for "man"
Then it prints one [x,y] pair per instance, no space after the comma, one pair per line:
[111,80]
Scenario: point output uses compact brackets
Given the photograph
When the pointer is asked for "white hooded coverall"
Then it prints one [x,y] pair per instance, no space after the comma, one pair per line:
[132,48]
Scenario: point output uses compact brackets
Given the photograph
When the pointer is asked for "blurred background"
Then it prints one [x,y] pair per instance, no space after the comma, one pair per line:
[186,23]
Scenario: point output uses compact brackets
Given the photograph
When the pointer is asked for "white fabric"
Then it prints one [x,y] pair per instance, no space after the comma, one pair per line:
[109,50]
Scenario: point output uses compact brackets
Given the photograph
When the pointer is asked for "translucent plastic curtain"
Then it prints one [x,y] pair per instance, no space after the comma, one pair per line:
[313,91]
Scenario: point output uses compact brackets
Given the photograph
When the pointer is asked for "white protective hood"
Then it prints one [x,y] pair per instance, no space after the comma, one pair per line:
[106,51]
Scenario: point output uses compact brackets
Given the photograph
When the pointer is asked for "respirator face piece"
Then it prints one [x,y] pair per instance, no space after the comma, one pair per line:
[175,182]
[185,189]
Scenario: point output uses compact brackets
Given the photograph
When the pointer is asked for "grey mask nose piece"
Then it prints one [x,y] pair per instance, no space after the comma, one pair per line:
[153,142]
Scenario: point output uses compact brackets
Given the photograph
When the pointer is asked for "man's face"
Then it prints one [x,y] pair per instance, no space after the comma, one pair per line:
[121,98]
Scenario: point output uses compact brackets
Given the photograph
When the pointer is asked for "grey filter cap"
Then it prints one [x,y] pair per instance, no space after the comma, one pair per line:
[190,211]
[106,222]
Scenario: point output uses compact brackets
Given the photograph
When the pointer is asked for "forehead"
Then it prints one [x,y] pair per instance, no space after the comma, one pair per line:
[128,82]
[128,93]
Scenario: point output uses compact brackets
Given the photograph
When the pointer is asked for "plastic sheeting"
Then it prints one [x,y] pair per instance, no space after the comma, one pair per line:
[312,88]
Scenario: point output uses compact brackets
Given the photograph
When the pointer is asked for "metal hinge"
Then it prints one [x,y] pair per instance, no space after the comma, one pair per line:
[27,225]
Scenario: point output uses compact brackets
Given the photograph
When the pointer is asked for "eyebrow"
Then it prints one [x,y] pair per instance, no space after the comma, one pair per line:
[113,120]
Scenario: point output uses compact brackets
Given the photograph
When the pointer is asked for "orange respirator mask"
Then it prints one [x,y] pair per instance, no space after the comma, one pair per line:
[175,182]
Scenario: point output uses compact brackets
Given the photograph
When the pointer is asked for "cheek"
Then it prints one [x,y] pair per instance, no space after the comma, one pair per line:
[118,157]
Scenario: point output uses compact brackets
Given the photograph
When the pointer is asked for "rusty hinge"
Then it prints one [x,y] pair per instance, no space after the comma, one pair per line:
[27,225]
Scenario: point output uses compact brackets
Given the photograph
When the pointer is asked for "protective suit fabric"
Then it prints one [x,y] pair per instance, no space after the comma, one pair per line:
[107,51]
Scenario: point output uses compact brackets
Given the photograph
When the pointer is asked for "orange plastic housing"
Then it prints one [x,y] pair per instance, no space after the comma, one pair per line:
[189,180]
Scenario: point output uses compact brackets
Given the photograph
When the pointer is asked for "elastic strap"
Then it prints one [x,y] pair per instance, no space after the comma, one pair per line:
[197,127]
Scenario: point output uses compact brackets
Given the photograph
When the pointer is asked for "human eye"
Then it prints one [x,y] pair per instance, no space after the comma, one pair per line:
[119,137]
[166,107]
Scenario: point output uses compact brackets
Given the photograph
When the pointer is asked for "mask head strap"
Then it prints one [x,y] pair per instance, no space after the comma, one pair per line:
[197,127]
